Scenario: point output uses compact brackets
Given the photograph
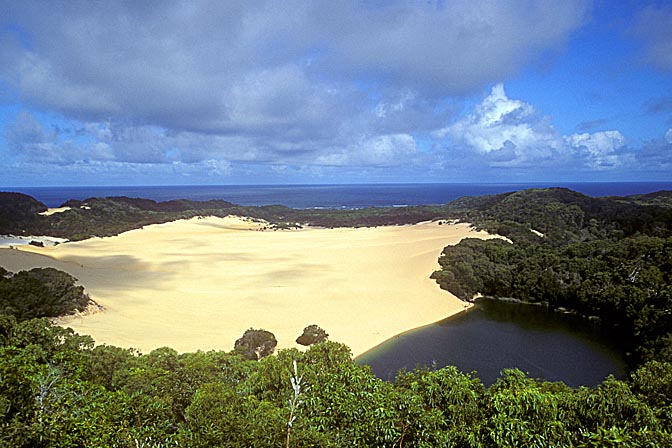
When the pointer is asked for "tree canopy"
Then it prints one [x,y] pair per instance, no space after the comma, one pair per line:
[256,344]
[58,390]
[40,292]
[312,334]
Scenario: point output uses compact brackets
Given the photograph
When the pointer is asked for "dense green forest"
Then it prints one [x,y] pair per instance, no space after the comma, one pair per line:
[40,292]
[609,259]
[57,390]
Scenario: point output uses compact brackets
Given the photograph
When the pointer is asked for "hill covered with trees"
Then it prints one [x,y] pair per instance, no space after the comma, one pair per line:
[609,259]
[560,214]
[113,215]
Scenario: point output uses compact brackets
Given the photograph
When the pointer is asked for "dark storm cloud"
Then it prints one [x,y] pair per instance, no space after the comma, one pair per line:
[449,48]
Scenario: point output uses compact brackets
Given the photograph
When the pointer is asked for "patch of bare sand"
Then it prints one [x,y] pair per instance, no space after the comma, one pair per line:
[200,283]
[52,211]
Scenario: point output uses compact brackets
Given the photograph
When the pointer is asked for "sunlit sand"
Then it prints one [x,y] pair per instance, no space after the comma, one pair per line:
[200,283]
[52,211]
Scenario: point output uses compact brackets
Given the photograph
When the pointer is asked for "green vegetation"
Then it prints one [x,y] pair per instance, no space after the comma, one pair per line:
[563,215]
[40,292]
[312,334]
[18,211]
[113,215]
[607,259]
[256,344]
[57,390]
[566,216]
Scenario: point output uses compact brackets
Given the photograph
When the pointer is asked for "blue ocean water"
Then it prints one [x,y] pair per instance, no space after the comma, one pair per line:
[330,196]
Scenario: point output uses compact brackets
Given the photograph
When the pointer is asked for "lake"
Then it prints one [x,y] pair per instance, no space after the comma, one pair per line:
[494,335]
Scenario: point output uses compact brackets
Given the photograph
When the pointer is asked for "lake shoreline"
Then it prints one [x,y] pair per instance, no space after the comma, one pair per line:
[495,335]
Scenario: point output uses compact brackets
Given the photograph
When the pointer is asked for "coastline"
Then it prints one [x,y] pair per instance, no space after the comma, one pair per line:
[198,284]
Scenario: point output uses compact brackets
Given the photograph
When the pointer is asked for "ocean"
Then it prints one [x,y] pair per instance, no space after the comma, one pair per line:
[330,196]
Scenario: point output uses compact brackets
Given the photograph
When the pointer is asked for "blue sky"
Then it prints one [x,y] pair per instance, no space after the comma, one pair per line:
[209,92]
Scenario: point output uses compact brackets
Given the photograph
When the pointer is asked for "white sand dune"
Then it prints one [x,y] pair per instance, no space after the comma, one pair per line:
[200,283]
[52,211]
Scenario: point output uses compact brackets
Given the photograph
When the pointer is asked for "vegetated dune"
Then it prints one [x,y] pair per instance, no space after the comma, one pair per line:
[198,284]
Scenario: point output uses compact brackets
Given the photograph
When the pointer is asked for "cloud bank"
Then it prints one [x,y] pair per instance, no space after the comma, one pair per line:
[240,89]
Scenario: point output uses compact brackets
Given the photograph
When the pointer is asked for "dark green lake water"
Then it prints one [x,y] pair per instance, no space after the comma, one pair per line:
[494,335]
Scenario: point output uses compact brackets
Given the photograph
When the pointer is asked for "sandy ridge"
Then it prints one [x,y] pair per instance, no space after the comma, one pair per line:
[200,283]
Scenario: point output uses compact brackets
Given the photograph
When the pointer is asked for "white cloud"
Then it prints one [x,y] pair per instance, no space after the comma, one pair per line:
[509,132]
[599,147]
[29,140]
[26,131]
[507,129]
[211,168]
[382,150]
[656,155]
[388,149]
[394,105]
[495,121]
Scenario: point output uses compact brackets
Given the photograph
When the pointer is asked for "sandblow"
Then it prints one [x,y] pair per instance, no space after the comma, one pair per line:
[198,284]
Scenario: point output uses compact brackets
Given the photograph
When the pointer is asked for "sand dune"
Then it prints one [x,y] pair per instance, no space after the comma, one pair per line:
[200,283]
[52,211]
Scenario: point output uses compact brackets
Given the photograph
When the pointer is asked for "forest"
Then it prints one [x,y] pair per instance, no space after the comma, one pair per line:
[58,390]
[40,292]
[608,259]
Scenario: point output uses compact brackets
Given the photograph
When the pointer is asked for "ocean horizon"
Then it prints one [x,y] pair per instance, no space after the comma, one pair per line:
[345,196]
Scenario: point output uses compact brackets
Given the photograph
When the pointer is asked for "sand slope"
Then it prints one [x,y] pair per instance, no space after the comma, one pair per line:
[200,283]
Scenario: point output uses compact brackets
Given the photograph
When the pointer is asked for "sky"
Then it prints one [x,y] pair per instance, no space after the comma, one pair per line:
[320,92]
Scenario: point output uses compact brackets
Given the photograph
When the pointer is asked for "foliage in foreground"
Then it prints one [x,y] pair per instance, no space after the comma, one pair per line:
[57,390]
